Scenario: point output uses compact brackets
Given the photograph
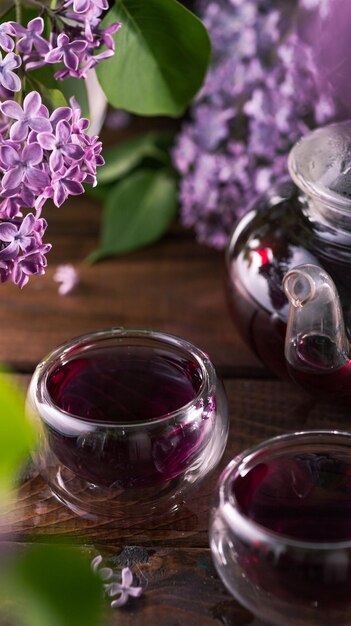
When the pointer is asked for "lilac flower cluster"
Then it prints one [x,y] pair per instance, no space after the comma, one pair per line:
[260,96]
[44,156]
[41,156]
[79,46]
[76,40]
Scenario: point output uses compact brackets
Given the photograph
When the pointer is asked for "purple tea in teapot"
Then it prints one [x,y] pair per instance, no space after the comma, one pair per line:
[302,225]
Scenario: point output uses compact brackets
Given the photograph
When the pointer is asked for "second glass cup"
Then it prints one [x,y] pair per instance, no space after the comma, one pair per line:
[130,420]
[280,529]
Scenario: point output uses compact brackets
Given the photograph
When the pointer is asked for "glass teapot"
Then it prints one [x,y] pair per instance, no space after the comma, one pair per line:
[289,266]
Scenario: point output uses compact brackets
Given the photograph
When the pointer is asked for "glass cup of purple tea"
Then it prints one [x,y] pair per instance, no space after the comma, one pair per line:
[129,422]
[280,529]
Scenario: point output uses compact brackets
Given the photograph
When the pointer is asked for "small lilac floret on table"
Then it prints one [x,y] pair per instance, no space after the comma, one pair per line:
[67,277]
[113,587]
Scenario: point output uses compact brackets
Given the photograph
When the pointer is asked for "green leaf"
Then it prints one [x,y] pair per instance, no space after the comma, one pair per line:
[28,13]
[139,210]
[16,433]
[162,54]
[76,87]
[52,97]
[6,5]
[44,79]
[53,585]
[124,157]
[98,193]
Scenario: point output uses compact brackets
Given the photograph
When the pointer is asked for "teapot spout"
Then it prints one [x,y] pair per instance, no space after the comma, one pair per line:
[317,349]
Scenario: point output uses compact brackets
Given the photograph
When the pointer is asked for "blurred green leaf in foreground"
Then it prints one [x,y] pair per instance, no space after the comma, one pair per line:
[51,585]
[43,585]
[17,435]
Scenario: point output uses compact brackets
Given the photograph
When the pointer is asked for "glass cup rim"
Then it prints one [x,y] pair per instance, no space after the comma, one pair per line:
[230,508]
[40,394]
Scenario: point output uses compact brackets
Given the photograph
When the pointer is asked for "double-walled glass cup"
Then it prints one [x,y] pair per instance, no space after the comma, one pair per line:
[295,568]
[130,421]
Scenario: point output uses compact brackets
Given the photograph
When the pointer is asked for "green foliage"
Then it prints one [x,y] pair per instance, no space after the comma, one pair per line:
[76,87]
[134,215]
[127,155]
[28,12]
[5,7]
[52,98]
[163,52]
[17,435]
[59,91]
[52,585]
[44,585]
[138,211]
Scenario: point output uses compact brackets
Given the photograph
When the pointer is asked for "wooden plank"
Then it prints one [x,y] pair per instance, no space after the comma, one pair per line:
[180,588]
[174,286]
[258,410]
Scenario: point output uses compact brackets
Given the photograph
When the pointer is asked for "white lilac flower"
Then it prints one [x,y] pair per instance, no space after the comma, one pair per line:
[116,586]
[68,278]
[123,590]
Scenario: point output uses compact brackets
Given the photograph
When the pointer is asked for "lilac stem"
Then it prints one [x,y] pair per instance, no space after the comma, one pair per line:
[18,7]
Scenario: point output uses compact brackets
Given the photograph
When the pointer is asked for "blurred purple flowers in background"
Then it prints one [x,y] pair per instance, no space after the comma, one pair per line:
[262,93]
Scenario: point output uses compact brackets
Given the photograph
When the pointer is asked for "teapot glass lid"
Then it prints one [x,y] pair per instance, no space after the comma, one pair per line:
[320,165]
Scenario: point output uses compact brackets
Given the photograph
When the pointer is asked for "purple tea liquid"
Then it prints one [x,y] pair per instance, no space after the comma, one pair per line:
[316,355]
[124,385]
[303,496]
[307,497]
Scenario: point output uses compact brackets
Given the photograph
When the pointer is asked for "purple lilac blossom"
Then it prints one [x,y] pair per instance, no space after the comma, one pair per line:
[82,6]
[70,52]
[31,116]
[44,157]
[78,48]
[6,41]
[82,24]
[8,78]
[30,37]
[260,96]
[41,157]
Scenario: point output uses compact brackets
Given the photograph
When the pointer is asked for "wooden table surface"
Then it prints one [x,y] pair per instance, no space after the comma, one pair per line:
[174,286]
